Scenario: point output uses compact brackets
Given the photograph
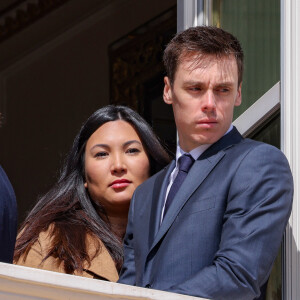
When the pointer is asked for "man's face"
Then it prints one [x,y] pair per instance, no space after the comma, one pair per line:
[203,97]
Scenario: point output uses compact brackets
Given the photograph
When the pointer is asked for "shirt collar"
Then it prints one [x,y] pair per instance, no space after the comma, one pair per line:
[196,152]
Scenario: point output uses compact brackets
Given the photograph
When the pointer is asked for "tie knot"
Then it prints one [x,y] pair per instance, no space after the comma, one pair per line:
[185,162]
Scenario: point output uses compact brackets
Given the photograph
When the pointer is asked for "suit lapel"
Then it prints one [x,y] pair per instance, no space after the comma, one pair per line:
[158,200]
[200,170]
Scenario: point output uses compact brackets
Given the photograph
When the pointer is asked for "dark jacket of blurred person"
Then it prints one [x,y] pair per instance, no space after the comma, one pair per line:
[8,218]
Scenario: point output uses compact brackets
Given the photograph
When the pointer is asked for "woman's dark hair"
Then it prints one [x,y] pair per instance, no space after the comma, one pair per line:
[68,205]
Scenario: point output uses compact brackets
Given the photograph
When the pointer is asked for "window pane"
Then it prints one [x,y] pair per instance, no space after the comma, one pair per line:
[270,133]
[256,23]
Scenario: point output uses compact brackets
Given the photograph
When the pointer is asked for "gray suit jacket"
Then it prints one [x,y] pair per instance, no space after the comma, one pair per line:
[223,230]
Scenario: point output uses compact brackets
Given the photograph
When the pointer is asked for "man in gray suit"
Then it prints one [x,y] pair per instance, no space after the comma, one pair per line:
[210,224]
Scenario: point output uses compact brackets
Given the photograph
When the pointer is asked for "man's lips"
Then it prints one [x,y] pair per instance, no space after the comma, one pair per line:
[207,122]
[120,183]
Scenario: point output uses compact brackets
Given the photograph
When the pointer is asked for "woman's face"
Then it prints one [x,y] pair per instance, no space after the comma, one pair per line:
[115,164]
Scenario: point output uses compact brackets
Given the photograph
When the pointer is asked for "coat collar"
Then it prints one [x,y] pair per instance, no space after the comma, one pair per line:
[231,138]
[102,264]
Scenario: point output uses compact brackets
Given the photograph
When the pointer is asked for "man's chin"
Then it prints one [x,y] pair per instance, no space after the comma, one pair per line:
[205,139]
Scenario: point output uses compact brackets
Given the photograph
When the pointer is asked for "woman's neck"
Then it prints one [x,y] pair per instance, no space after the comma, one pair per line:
[118,225]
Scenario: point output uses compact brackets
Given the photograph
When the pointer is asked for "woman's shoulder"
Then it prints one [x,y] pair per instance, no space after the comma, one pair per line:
[36,256]
[101,264]
[45,237]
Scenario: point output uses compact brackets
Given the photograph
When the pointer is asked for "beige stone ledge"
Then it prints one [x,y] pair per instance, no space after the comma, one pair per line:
[18,282]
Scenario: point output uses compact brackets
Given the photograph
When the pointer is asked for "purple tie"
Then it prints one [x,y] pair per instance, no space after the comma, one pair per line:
[185,162]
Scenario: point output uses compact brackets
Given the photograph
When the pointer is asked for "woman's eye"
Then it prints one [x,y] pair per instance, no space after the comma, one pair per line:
[132,150]
[101,154]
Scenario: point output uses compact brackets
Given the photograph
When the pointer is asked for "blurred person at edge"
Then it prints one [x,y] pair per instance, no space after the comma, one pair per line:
[8,217]
[78,226]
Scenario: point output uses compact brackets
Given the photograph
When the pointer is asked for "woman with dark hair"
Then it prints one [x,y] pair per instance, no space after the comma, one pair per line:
[78,226]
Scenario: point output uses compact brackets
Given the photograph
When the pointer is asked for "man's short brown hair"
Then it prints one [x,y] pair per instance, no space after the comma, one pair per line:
[202,40]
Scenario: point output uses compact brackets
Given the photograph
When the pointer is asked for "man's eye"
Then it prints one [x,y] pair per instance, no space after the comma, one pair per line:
[194,89]
[223,90]
[132,150]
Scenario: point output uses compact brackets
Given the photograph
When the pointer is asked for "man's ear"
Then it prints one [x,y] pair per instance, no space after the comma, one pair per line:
[167,94]
[238,99]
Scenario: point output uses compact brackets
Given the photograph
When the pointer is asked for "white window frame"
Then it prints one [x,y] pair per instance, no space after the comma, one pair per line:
[260,111]
[285,95]
[290,136]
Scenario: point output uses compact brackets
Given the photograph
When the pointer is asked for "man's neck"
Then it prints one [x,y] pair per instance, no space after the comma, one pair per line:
[197,151]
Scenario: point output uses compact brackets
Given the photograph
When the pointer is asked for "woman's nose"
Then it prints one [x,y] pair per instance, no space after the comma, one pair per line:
[118,165]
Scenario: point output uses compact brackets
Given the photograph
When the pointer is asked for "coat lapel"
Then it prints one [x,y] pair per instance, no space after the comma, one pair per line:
[199,171]
[102,264]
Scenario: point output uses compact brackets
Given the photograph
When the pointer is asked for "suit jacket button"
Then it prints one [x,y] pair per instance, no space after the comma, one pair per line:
[148,286]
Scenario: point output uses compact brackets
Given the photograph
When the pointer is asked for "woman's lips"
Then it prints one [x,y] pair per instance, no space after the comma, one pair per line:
[120,183]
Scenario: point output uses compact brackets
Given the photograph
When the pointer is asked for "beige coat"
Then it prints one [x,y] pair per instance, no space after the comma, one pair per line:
[102,266]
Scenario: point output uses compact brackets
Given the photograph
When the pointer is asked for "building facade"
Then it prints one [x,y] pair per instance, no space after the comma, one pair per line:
[62,64]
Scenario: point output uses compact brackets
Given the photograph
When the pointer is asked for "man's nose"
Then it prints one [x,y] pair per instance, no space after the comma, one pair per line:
[208,101]
[118,164]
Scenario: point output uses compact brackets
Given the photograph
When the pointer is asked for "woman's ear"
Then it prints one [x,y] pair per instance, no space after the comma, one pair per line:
[85,185]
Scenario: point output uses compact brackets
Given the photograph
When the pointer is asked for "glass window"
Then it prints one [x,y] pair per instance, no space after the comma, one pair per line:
[270,133]
[256,23]
[137,73]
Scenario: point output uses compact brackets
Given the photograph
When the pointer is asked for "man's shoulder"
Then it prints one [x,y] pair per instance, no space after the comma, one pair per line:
[248,145]
[257,153]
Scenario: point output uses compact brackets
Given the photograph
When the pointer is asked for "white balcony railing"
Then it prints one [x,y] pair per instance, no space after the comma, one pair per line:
[17,282]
